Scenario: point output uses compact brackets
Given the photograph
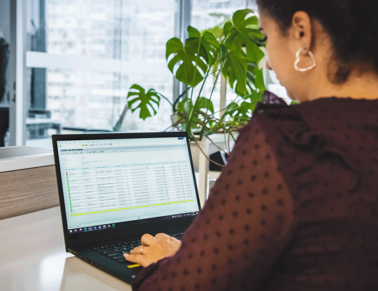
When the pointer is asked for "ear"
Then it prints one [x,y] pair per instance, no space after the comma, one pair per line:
[301,31]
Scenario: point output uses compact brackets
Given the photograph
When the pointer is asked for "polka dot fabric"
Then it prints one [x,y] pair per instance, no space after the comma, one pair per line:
[294,209]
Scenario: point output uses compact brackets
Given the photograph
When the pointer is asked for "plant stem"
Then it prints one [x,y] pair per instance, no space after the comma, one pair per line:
[211,95]
[208,72]
[204,81]
[211,161]
[215,83]
[162,96]
[230,133]
[195,70]
[178,98]
[188,122]
[168,128]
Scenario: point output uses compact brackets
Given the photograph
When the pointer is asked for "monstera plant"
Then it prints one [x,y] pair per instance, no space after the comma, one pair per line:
[235,53]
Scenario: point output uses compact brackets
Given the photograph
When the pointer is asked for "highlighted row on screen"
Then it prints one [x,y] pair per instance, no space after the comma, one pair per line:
[135,207]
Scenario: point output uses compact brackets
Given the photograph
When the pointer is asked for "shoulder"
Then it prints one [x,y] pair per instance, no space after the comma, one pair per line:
[282,127]
[309,143]
[281,124]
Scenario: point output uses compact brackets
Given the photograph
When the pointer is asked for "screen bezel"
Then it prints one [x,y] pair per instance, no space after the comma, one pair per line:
[125,229]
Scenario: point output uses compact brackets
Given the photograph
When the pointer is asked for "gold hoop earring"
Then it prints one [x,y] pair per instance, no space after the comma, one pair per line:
[299,59]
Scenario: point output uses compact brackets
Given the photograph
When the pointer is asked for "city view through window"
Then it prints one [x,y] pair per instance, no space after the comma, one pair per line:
[83,56]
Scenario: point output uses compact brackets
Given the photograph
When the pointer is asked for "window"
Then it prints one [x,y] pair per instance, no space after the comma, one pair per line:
[210,13]
[83,56]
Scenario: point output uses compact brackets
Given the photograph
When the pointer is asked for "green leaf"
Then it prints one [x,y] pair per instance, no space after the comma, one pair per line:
[239,113]
[200,108]
[204,103]
[211,46]
[235,69]
[189,68]
[137,98]
[251,77]
[193,59]
[259,79]
[227,27]
[193,32]
[232,107]
[185,105]
[255,83]
[255,97]
[244,32]
[241,54]
[239,18]
[194,115]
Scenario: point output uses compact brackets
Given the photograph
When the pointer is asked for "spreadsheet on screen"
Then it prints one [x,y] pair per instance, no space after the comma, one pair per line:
[119,180]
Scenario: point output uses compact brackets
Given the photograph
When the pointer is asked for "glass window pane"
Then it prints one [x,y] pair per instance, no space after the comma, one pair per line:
[210,13]
[82,58]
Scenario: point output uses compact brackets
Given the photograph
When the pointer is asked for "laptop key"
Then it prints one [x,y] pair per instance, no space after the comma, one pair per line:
[118,258]
[122,261]
[114,254]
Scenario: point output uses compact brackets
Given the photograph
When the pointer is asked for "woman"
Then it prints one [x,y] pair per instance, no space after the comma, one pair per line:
[296,206]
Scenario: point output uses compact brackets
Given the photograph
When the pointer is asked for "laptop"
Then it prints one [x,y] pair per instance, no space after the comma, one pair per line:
[113,188]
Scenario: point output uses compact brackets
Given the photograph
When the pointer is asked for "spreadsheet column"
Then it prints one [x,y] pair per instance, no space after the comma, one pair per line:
[76,191]
[106,188]
[91,191]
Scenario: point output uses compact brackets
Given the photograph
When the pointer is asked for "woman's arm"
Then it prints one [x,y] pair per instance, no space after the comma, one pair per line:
[242,230]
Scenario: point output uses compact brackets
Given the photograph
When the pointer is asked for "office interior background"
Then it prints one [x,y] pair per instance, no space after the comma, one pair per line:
[67,65]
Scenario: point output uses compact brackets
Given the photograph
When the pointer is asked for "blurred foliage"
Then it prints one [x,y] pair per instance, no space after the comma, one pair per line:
[231,49]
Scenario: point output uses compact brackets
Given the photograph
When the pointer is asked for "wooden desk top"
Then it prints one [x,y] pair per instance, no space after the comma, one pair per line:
[32,257]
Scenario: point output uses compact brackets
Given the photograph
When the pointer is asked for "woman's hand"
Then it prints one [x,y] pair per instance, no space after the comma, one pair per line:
[154,249]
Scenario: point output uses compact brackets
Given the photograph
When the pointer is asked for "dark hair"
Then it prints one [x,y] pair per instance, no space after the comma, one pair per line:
[352,26]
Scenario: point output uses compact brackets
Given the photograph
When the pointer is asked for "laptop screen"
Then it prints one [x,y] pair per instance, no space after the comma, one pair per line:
[112,181]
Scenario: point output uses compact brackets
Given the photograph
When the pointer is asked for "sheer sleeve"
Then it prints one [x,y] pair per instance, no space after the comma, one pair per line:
[240,233]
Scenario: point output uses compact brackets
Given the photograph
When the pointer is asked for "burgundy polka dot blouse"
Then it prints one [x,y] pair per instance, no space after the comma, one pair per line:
[295,208]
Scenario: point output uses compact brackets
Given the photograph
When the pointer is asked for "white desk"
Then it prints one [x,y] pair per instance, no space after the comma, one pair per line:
[32,257]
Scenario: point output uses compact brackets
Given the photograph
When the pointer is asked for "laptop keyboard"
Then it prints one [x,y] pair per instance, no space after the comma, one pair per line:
[115,251]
